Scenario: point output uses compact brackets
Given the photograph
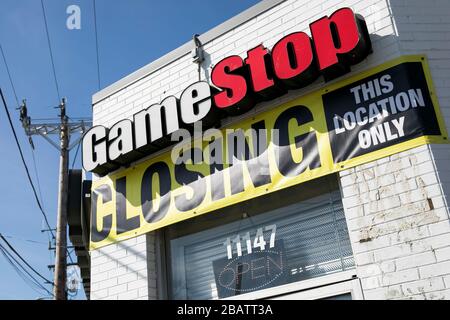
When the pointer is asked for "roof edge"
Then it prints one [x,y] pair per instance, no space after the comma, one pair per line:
[184,49]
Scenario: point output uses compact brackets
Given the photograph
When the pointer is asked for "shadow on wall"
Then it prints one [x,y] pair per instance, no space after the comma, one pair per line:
[423,28]
[149,272]
[141,274]
[206,66]
[389,44]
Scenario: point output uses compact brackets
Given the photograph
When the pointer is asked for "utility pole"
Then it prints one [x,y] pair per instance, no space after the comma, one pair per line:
[64,129]
[60,275]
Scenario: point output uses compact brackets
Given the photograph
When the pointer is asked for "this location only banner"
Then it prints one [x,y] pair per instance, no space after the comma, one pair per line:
[383,111]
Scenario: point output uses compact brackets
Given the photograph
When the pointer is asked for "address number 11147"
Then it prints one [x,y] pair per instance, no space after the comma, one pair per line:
[258,241]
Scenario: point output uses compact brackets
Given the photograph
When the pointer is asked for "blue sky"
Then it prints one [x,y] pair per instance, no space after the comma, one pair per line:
[131,34]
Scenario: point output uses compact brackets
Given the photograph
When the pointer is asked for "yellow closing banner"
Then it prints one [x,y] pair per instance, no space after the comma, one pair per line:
[383,111]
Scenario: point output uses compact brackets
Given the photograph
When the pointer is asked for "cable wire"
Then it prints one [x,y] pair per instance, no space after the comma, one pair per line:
[50,50]
[58,119]
[16,264]
[17,101]
[96,44]
[76,154]
[22,239]
[18,144]
[21,154]
[9,75]
[24,163]
[22,274]
[23,260]
[31,281]
[37,176]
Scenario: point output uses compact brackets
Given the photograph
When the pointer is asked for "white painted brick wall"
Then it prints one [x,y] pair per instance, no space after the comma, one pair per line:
[124,271]
[423,27]
[405,218]
[400,237]
[395,207]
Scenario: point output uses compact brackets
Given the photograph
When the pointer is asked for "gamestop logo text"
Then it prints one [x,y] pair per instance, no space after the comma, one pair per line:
[336,43]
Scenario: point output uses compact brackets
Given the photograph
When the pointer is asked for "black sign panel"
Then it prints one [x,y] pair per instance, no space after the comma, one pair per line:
[382,110]
[250,272]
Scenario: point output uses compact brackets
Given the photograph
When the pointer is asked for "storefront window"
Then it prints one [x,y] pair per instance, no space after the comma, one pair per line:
[296,242]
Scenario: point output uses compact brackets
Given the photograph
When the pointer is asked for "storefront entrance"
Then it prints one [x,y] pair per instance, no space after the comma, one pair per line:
[292,244]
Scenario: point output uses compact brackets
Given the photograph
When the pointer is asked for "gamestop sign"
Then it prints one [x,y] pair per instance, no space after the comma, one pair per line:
[380,112]
[336,43]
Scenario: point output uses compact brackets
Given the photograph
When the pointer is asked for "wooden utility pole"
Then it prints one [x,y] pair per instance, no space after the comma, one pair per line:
[64,129]
[60,276]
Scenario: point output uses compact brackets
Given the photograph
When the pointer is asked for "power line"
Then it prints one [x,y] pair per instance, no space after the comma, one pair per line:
[24,163]
[17,101]
[22,274]
[76,154]
[50,50]
[32,282]
[37,174]
[21,154]
[9,75]
[16,264]
[22,239]
[96,44]
[17,141]
[23,260]
[39,187]
[56,119]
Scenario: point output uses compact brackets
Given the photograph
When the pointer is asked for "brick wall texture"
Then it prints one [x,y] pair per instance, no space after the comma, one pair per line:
[396,207]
